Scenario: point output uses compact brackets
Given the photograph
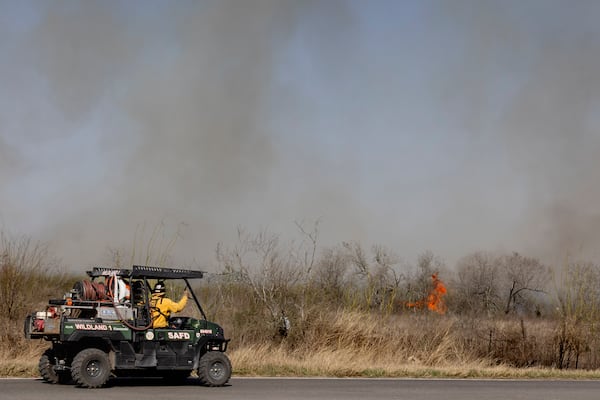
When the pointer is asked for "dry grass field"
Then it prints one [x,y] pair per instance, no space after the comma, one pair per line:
[296,311]
[353,345]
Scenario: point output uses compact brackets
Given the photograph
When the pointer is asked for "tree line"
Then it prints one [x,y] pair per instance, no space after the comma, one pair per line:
[506,308]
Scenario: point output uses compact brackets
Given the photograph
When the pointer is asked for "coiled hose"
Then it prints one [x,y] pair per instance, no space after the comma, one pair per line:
[91,291]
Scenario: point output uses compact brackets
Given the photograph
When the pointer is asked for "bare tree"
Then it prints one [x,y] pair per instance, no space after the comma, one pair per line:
[523,276]
[578,296]
[375,275]
[489,283]
[478,286]
[330,274]
[274,273]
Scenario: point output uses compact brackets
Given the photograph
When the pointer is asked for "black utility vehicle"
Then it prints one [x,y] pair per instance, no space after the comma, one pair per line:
[103,327]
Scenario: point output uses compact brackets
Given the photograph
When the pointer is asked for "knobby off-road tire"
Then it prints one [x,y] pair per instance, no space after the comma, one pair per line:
[214,369]
[46,368]
[90,368]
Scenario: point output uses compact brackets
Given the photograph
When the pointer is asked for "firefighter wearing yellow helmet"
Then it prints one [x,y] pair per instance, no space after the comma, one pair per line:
[162,307]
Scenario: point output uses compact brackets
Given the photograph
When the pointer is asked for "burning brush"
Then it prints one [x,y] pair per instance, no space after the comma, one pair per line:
[434,301]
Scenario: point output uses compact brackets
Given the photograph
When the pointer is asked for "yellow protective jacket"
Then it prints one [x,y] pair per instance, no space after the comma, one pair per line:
[163,307]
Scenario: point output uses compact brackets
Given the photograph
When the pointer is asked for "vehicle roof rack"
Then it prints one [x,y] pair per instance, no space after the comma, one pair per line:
[144,271]
[107,271]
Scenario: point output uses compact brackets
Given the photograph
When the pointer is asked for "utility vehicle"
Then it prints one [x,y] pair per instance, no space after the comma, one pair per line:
[103,328]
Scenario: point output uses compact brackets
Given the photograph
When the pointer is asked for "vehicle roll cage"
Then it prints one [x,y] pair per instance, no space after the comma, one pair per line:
[144,272]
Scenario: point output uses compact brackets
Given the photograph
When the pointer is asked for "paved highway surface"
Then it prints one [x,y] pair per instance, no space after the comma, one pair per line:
[307,388]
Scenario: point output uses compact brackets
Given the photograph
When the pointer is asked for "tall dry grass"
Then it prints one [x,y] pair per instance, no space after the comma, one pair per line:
[28,278]
[501,310]
[290,310]
[362,344]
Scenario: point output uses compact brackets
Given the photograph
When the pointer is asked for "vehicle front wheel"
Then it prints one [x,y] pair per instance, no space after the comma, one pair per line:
[47,371]
[90,368]
[214,369]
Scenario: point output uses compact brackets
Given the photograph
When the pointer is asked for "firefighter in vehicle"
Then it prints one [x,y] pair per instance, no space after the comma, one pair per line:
[162,307]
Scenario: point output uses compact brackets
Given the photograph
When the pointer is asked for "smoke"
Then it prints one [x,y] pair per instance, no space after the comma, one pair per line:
[82,51]
[8,161]
[450,126]
[528,91]
[552,132]
[183,98]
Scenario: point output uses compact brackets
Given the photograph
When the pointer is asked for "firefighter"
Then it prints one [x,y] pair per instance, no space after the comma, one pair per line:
[162,307]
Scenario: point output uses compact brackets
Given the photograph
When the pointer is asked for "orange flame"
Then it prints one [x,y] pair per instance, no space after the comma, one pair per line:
[434,301]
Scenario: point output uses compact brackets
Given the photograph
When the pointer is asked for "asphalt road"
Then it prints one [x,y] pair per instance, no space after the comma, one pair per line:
[307,388]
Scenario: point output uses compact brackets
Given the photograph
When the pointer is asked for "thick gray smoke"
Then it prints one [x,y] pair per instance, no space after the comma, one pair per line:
[528,90]
[183,96]
[450,126]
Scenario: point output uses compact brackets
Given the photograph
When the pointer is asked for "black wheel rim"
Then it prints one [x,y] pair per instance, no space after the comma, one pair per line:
[216,370]
[93,368]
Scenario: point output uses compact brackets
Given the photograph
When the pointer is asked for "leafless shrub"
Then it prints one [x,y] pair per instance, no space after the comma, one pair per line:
[477,287]
[274,275]
[330,276]
[376,279]
[509,283]
[523,276]
[578,297]
[28,277]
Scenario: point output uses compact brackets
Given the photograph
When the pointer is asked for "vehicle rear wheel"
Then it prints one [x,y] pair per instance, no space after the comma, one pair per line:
[90,368]
[47,371]
[214,369]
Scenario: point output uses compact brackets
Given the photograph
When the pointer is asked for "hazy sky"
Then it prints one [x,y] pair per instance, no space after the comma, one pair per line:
[451,126]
